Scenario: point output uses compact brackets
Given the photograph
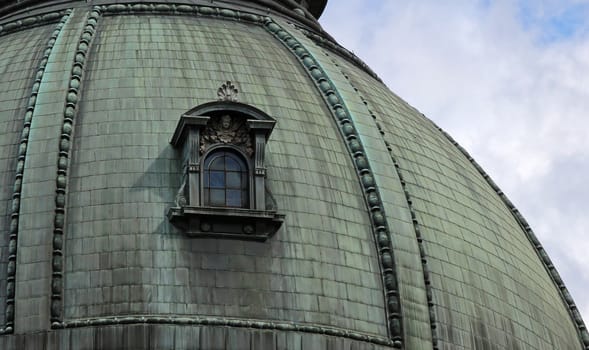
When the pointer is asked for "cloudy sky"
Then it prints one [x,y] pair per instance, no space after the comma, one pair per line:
[509,80]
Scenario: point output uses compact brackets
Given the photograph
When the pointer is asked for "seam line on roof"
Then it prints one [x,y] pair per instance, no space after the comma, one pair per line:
[20,165]
[371,193]
[544,258]
[331,44]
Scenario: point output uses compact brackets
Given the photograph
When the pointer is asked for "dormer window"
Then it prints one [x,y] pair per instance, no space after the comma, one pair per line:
[223,184]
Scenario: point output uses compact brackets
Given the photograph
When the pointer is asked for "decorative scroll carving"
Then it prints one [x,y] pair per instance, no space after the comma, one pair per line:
[229,131]
[181,200]
[227,92]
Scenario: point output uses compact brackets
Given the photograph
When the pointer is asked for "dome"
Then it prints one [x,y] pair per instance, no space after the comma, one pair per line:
[224,175]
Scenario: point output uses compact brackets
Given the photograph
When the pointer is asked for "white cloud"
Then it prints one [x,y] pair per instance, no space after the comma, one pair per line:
[510,81]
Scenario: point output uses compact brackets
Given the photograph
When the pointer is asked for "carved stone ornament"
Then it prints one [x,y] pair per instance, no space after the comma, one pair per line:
[239,129]
[227,92]
[181,200]
[227,130]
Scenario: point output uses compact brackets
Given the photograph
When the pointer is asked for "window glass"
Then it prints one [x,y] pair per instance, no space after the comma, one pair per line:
[234,180]
[217,163]
[225,180]
[217,179]
[217,198]
[234,198]
[231,164]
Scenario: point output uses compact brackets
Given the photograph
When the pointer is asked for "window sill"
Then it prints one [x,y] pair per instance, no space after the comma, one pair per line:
[230,223]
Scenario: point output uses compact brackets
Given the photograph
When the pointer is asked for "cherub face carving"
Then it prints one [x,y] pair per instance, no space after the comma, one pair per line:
[226,121]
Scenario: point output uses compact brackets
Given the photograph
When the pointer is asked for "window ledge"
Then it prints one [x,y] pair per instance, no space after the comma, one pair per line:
[218,222]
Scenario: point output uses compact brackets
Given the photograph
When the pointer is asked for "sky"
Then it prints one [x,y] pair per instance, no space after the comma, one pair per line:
[509,80]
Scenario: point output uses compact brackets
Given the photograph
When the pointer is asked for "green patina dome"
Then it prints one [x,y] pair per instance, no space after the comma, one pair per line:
[354,222]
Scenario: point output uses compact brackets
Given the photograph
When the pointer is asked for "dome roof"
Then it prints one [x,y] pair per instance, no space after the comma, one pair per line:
[225,174]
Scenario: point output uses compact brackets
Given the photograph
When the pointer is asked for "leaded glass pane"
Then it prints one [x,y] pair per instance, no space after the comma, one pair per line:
[217,179]
[206,194]
[234,198]
[231,164]
[218,163]
[217,197]
[225,180]
[233,180]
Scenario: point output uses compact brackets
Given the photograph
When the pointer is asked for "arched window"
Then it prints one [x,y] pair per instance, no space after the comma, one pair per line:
[225,180]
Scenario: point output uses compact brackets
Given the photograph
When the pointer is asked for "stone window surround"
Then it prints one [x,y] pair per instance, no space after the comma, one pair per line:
[256,222]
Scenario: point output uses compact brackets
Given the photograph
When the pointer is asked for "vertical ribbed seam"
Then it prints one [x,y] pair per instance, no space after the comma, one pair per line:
[371,193]
[415,222]
[20,165]
[69,114]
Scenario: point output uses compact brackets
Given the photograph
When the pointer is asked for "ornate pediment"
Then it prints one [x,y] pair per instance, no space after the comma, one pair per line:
[228,130]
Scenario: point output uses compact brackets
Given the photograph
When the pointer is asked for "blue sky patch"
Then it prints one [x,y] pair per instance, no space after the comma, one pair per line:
[554,22]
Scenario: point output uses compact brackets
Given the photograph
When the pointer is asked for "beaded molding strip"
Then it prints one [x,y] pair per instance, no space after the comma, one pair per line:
[554,275]
[30,22]
[332,45]
[414,220]
[20,166]
[371,193]
[63,161]
[227,322]
[416,225]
